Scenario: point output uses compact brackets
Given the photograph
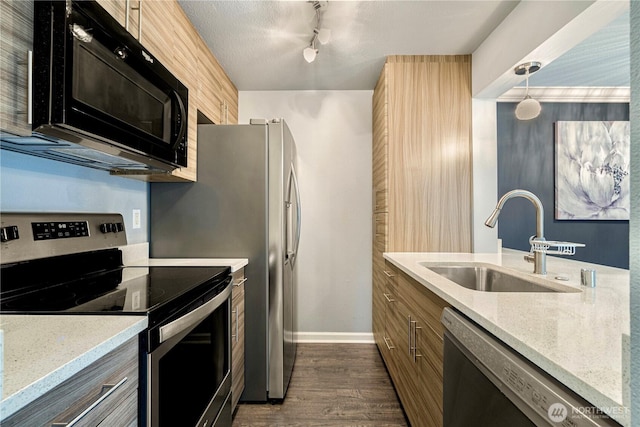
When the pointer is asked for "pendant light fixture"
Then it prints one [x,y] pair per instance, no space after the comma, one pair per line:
[528,108]
[322,35]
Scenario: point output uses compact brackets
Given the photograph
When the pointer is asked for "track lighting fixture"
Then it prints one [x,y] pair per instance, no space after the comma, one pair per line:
[528,108]
[322,35]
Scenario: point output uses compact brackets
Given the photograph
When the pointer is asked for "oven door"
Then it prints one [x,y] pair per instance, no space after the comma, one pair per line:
[188,374]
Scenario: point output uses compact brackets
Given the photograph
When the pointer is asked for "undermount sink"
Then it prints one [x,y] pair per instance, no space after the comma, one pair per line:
[488,278]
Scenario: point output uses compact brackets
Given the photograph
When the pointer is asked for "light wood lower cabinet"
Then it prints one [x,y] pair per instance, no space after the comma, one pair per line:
[237,337]
[108,386]
[413,346]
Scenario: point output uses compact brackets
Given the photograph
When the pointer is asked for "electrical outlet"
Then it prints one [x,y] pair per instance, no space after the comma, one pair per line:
[136,218]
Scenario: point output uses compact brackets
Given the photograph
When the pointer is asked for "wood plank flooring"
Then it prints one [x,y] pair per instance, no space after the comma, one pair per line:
[331,385]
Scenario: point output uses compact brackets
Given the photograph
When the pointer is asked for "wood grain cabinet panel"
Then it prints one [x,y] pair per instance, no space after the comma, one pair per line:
[237,337]
[16,22]
[421,167]
[114,378]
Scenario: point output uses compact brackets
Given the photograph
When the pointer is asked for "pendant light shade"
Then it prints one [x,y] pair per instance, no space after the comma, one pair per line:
[528,108]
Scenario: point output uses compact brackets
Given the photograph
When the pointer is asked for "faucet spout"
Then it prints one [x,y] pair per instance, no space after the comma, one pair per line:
[539,257]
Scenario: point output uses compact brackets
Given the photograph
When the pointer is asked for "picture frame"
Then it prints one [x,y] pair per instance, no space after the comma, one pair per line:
[592,170]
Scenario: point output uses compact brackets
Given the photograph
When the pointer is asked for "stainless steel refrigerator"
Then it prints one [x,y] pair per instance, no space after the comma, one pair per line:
[245,204]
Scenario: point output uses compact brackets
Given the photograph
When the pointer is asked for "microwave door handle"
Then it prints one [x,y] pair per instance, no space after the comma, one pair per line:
[183,122]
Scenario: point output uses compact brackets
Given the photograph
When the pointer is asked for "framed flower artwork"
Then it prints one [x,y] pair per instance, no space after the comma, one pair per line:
[592,170]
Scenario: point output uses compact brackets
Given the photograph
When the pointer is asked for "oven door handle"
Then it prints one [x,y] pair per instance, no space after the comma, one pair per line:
[195,316]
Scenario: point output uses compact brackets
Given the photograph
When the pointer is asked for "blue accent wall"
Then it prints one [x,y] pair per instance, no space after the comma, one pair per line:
[526,158]
[33,184]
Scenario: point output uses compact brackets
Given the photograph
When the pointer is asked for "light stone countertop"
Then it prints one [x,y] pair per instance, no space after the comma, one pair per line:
[235,263]
[581,339]
[42,351]
[137,255]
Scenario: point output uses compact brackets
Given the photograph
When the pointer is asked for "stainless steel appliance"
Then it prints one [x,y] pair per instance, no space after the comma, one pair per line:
[486,383]
[245,204]
[71,264]
[99,98]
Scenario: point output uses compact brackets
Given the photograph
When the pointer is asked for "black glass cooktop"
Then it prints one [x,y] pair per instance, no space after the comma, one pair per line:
[119,290]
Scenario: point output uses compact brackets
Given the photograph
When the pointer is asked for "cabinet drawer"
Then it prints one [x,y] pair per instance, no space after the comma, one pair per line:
[107,383]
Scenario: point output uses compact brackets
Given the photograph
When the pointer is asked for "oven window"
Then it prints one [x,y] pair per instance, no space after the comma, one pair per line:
[191,372]
[108,85]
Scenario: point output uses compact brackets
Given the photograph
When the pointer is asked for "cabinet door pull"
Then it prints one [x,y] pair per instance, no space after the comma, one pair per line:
[240,282]
[126,17]
[30,87]
[409,333]
[29,64]
[386,273]
[386,341]
[389,299]
[236,336]
[415,340]
[111,389]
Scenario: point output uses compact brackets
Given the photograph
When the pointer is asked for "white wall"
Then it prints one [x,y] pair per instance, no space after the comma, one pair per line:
[485,173]
[333,136]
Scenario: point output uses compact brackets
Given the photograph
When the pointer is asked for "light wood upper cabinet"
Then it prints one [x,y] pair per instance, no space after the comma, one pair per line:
[169,36]
[429,153]
[16,20]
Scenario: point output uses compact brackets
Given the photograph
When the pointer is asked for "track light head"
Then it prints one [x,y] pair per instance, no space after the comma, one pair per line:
[310,53]
[323,35]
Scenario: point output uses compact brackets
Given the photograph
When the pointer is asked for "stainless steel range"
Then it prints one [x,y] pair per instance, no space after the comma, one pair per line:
[71,264]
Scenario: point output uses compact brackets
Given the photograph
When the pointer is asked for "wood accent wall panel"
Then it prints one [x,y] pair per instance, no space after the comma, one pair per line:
[429,153]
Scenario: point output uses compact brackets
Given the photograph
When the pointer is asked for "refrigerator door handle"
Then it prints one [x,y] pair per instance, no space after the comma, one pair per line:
[298,216]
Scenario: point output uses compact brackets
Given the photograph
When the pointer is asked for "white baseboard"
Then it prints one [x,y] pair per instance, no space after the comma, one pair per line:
[335,337]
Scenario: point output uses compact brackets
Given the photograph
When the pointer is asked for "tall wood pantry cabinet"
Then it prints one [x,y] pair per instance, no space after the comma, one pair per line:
[421,203]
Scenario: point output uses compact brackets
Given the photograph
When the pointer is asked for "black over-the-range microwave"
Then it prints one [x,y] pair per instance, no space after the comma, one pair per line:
[100,99]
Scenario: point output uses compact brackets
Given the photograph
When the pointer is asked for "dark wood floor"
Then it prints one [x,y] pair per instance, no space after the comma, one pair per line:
[331,385]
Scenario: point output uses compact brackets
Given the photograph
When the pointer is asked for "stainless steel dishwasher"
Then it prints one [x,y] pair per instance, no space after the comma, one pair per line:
[486,383]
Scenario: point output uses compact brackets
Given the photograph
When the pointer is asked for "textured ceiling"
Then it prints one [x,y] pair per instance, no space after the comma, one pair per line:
[603,59]
[260,43]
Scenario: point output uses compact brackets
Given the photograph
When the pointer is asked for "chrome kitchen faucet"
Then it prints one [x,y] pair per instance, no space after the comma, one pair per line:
[539,245]
[539,258]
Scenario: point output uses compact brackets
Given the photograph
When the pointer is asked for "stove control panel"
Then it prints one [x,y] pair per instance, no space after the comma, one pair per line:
[32,235]
[59,230]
